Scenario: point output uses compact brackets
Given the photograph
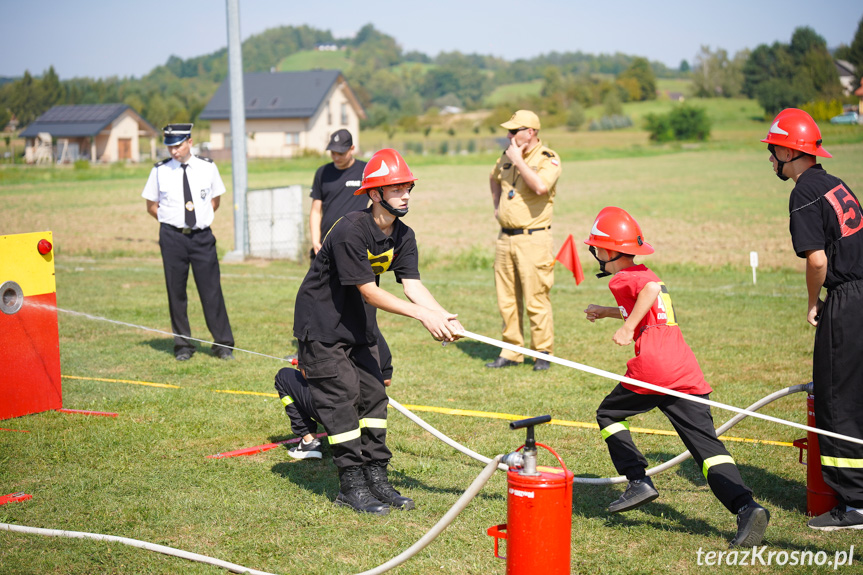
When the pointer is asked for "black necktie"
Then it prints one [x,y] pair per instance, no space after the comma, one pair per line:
[187,199]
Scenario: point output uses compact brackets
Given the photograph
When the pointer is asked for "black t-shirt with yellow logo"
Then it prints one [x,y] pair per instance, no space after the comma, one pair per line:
[329,307]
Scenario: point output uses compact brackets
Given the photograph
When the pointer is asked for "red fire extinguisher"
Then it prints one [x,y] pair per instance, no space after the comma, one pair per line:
[820,497]
[538,528]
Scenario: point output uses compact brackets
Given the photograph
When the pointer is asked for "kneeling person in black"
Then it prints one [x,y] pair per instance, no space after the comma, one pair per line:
[336,331]
[294,393]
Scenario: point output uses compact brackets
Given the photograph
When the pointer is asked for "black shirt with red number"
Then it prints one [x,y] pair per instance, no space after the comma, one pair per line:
[329,307]
[826,215]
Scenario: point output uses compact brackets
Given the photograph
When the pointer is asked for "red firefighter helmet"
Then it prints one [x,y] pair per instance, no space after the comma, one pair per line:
[614,229]
[795,129]
[385,168]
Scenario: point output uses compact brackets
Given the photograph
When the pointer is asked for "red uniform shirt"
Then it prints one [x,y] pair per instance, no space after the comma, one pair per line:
[661,356]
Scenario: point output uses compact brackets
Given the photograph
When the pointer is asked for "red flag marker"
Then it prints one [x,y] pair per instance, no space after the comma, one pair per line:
[85,412]
[568,256]
[257,448]
[13,497]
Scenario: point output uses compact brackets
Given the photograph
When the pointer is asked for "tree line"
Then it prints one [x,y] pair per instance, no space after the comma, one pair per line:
[407,89]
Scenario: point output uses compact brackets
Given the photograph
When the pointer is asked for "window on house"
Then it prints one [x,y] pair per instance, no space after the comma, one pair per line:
[292,139]
[329,115]
[344,114]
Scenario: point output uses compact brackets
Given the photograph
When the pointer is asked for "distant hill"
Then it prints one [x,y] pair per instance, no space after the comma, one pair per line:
[315,59]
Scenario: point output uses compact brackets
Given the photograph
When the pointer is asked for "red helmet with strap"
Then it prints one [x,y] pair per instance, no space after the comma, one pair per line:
[385,168]
[614,229]
[795,129]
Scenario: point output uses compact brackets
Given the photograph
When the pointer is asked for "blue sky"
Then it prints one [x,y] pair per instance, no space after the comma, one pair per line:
[100,38]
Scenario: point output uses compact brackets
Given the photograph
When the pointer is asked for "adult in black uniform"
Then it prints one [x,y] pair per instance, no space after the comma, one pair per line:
[825,221]
[333,188]
[183,194]
[336,330]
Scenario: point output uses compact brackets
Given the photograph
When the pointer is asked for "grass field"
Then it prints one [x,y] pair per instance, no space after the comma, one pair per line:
[145,474]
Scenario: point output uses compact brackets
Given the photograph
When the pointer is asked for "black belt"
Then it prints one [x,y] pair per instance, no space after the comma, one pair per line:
[187,231]
[519,231]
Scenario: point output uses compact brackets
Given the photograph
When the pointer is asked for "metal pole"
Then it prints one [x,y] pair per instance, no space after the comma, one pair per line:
[238,132]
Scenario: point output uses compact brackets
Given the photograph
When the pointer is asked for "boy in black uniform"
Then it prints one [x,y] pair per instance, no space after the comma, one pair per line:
[825,218]
[336,331]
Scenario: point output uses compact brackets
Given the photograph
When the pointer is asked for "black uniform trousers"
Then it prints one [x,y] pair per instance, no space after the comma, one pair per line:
[294,392]
[693,424]
[837,375]
[198,249]
[348,394]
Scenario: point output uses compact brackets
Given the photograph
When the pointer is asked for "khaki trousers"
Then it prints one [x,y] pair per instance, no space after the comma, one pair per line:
[523,276]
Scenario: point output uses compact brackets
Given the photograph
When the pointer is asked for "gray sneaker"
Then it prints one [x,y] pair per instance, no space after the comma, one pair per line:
[303,450]
[836,519]
[752,520]
[638,492]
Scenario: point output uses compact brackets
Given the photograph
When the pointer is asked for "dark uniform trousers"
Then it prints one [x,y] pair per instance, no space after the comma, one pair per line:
[838,388]
[295,395]
[693,424]
[198,249]
[348,394]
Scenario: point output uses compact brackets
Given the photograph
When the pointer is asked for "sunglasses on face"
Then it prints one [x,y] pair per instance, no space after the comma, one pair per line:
[515,131]
[772,149]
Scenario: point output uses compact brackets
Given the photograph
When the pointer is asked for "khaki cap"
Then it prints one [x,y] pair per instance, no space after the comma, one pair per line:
[522,119]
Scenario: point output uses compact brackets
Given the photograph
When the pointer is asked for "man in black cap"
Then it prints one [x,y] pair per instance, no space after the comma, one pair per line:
[183,194]
[333,188]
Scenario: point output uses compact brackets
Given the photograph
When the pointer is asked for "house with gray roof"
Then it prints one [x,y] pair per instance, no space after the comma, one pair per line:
[287,113]
[98,132]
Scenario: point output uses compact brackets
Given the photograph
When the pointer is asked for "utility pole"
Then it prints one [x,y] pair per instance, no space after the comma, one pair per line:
[238,133]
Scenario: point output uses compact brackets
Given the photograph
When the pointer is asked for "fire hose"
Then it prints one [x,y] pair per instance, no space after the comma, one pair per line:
[481,479]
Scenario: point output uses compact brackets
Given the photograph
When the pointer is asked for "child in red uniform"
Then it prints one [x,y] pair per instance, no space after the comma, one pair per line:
[661,358]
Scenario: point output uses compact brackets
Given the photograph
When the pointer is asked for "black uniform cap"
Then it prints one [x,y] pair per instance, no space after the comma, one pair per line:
[177,133]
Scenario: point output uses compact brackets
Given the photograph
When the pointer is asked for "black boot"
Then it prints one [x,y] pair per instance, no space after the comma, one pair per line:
[375,473]
[354,493]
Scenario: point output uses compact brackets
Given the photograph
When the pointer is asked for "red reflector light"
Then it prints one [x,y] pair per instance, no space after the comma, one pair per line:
[44,247]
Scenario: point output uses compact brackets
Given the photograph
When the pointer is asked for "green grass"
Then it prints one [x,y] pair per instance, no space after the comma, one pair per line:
[145,474]
[513,92]
[312,59]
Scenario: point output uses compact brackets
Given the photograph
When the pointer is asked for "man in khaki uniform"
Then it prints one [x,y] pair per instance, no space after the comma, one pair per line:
[523,184]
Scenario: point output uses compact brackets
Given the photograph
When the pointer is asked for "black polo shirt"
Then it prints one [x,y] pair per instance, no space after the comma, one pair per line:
[826,215]
[329,307]
[335,188]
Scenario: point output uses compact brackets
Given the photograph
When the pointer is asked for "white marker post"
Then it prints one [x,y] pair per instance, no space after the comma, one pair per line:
[753,261]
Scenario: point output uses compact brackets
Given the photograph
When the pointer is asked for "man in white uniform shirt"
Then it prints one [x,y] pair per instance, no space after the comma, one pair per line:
[183,194]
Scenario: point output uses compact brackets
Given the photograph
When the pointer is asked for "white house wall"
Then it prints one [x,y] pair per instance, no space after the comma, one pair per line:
[267,138]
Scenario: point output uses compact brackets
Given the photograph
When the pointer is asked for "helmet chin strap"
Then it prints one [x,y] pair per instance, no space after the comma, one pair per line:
[602,263]
[386,205]
[780,165]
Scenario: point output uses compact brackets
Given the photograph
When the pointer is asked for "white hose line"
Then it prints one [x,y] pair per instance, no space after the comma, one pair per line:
[444,522]
[656,388]
[145,328]
[232,567]
[423,541]
[602,480]
[451,442]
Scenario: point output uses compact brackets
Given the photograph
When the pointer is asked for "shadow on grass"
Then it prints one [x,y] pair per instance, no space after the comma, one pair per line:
[769,489]
[321,477]
[164,344]
[477,349]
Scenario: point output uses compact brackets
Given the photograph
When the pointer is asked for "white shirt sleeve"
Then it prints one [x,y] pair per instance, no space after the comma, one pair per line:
[151,189]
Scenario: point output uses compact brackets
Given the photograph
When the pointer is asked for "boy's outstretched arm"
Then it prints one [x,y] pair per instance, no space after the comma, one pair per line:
[441,324]
[646,297]
[595,312]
